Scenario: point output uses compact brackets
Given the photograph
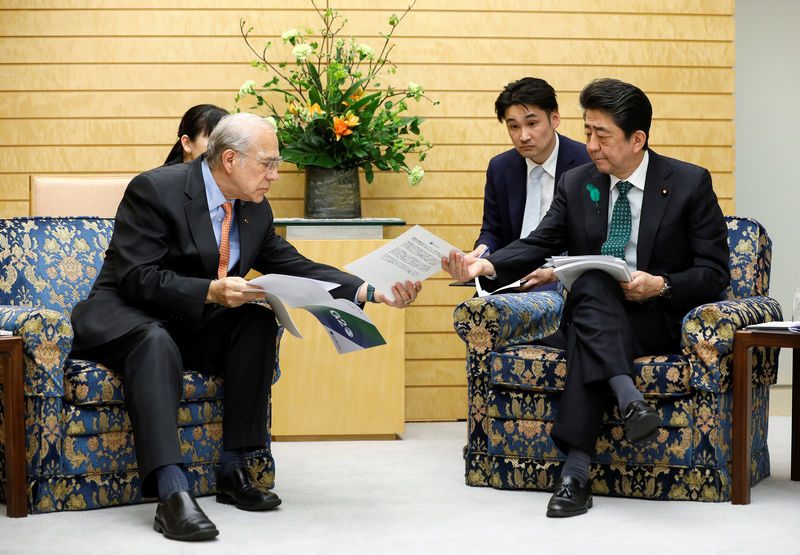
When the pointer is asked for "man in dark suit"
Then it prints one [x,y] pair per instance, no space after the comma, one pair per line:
[170,295]
[667,225]
[520,182]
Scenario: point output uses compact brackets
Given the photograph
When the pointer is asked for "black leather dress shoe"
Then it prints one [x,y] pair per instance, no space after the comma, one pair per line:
[181,518]
[570,499]
[641,422]
[240,488]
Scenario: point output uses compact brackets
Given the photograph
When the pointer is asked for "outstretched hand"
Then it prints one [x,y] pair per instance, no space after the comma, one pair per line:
[466,267]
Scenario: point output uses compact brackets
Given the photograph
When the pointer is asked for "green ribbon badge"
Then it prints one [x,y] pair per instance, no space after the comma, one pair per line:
[594,194]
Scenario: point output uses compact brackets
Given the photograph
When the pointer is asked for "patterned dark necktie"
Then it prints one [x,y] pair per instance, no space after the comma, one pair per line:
[619,230]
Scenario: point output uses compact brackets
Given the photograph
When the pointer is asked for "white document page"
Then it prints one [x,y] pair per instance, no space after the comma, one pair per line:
[483,293]
[775,326]
[413,256]
[294,290]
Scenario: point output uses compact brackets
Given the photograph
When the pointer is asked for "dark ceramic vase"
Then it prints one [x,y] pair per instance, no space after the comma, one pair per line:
[332,193]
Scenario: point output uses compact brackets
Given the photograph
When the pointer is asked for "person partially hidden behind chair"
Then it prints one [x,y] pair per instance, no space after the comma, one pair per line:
[170,296]
[520,182]
[661,215]
[193,131]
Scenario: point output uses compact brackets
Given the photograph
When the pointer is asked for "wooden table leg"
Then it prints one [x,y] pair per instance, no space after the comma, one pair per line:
[14,418]
[795,472]
[742,407]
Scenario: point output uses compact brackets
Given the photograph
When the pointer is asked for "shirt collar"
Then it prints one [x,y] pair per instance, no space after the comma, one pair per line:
[549,165]
[639,175]
[214,196]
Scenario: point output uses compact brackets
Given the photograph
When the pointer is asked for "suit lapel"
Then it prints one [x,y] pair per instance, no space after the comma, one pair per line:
[198,219]
[517,191]
[596,213]
[251,233]
[657,192]
[565,157]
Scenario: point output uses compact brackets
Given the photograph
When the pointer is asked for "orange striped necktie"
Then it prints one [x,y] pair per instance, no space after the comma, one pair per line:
[224,242]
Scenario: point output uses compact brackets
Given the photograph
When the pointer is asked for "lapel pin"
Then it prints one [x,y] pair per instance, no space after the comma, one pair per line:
[246,221]
[664,192]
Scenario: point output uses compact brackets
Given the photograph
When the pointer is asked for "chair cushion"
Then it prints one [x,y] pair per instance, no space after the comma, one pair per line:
[541,368]
[80,420]
[91,383]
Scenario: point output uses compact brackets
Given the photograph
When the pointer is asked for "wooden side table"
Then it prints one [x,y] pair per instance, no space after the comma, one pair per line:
[14,418]
[743,342]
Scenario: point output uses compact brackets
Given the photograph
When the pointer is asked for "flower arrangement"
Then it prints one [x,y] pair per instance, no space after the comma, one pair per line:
[338,114]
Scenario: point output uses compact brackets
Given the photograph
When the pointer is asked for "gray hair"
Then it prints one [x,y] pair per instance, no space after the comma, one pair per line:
[234,132]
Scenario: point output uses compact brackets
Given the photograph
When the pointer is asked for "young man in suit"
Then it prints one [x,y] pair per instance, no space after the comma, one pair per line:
[662,217]
[171,295]
[520,182]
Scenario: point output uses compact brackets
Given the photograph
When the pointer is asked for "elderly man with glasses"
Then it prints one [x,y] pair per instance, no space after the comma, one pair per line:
[171,295]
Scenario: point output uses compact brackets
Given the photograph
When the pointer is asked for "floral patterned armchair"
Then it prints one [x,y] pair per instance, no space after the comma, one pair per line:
[79,446]
[514,387]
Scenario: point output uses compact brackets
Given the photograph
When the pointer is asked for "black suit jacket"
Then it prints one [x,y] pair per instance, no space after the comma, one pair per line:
[506,191]
[163,255]
[682,232]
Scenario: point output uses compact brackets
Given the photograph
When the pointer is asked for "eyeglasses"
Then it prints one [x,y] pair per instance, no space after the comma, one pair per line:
[269,165]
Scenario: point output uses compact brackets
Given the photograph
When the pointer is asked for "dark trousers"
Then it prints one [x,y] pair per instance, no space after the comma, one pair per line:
[238,343]
[602,333]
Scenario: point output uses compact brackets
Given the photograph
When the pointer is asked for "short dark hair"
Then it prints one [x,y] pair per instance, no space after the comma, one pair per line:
[528,91]
[198,120]
[626,104]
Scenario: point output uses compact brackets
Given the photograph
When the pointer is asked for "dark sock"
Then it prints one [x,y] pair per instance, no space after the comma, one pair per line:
[170,479]
[577,465]
[231,460]
[625,390]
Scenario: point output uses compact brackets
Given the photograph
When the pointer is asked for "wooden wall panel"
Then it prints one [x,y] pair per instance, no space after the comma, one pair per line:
[98,86]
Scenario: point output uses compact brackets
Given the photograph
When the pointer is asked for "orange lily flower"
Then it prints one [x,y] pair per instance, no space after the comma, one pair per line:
[294,108]
[315,109]
[355,97]
[341,127]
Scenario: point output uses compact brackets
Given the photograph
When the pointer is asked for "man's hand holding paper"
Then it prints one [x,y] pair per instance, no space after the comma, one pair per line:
[397,268]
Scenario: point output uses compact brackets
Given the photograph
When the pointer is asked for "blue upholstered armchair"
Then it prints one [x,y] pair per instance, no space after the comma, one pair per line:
[78,443]
[514,388]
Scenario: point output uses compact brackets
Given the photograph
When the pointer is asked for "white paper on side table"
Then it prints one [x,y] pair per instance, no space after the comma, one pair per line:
[569,268]
[775,326]
[348,326]
[413,256]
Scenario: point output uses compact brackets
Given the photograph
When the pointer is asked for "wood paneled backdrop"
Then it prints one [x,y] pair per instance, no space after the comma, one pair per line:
[98,86]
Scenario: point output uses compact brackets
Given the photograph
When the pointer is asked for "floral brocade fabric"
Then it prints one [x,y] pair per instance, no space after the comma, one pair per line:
[514,388]
[80,452]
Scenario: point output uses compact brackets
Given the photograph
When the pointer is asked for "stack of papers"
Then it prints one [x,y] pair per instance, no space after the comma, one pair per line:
[775,326]
[569,268]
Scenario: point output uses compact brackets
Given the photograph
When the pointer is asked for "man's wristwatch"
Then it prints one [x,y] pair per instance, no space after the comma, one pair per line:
[666,291]
[371,294]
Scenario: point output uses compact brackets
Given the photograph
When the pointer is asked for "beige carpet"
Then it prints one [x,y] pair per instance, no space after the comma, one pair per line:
[409,496]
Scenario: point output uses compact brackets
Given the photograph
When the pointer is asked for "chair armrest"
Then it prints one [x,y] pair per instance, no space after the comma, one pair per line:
[498,321]
[707,339]
[46,344]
